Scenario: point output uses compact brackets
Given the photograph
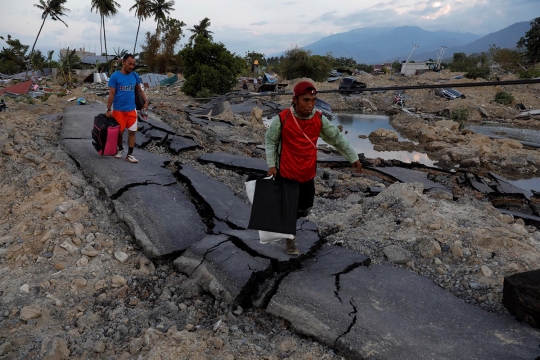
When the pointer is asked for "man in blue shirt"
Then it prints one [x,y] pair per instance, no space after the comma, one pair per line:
[122,98]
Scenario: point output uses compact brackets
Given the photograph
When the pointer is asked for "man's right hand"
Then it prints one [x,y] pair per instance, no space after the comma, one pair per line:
[108,113]
[272,172]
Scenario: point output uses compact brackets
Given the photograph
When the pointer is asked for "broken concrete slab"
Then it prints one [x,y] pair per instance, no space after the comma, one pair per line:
[79,120]
[504,187]
[156,123]
[307,241]
[521,296]
[223,269]
[177,144]
[383,312]
[235,162]
[310,299]
[208,123]
[323,158]
[221,201]
[409,176]
[161,218]
[115,175]
[481,186]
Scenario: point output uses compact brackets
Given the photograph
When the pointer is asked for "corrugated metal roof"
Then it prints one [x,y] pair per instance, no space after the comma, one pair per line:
[151,80]
[91,59]
[20,88]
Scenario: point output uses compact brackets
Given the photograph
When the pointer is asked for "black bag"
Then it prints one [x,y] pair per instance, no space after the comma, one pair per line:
[275,206]
[139,101]
[105,135]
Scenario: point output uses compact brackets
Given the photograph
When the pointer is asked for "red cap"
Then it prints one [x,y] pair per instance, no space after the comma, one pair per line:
[303,88]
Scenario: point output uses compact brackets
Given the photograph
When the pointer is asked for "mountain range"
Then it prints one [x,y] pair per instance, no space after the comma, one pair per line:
[373,45]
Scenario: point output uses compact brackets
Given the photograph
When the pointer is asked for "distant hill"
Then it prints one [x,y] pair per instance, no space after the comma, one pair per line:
[378,45]
[505,38]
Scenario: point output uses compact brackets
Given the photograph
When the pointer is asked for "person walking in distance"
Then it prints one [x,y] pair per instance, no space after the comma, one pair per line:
[291,150]
[122,100]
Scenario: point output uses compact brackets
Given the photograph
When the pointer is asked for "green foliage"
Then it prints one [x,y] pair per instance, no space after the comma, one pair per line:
[299,63]
[531,42]
[396,66]
[160,9]
[504,98]
[12,58]
[251,56]
[507,59]
[475,66]
[531,72]
[25,99]
[208,65]
[202,30]
[204,93]
[159,47]
[460,115]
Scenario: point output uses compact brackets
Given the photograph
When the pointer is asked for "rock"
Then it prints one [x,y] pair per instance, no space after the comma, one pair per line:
[441,194]
[397,254]
[354,198]
[429,248]
[456,250]
[483,112]
[135,345]
[448,124]
[189,327]
[25,288]
[82,262]
[509,144]
[6,348]
[520,229]
[486,271]
[56,349]
[30,312]
[288,346]
[89,250]
[384,134]
[79,228]
[78,283]
[98,347]
[63,208]
[118,280]
[217,342]
[6,239]
[121,256]
[256,116]
[470,162]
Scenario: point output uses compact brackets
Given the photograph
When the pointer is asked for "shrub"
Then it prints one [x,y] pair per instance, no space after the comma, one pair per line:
[504,98]
[460,115]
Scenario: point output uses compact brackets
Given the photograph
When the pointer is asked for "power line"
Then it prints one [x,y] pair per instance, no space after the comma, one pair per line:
[385,88]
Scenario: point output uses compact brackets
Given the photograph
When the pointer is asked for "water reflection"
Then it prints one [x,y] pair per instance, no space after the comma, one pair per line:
[359,124]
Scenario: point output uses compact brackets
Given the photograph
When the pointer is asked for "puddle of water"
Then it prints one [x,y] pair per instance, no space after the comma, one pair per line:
[507,131]
[359,124]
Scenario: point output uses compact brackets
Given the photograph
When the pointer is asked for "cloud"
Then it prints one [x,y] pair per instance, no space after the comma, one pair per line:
[259,23]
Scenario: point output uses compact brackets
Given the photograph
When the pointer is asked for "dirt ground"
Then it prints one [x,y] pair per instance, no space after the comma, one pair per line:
[75,285]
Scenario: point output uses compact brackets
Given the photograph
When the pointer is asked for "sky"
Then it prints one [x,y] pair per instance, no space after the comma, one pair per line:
[267,27]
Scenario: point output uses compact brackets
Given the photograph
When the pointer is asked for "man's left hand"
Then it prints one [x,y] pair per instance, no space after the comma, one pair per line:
[145,106]
[358,166]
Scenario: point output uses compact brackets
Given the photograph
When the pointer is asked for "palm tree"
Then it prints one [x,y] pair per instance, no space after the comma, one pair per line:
[160,9]
[201,29]
[49,59]
[52,8]
[142,11]
[105,8]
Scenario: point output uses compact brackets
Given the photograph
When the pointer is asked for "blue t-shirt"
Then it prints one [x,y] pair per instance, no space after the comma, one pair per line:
[124,100]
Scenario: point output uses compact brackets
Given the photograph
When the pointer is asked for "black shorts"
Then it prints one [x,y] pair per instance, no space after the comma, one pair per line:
[306,195]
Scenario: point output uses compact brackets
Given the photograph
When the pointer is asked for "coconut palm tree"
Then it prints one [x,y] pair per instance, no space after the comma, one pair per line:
[160,9]
[201,29]
[105,8]
[53,9]
[142,11]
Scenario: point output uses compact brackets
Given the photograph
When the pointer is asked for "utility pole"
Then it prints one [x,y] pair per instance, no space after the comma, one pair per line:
[414,46]
[439,57]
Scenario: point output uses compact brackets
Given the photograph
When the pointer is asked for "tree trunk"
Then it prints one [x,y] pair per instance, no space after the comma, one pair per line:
[33,46]
[100,32]
[137,36]
[105,40]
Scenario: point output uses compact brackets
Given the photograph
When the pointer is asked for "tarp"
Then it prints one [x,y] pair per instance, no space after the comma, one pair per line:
[151,80]
[267,78]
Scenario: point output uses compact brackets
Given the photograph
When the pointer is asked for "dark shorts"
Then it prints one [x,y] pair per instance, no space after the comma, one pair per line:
[306,195]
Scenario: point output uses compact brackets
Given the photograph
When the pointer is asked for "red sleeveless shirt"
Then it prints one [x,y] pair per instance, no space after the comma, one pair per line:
[298,159]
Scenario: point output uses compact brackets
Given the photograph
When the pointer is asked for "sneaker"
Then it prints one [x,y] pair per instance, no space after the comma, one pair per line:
[290,247]
[131,159]
[119,154]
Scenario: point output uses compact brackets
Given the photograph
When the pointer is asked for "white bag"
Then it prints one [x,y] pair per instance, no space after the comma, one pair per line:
[264,236]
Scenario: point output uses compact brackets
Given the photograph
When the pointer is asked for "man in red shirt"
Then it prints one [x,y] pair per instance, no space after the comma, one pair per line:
[291,150]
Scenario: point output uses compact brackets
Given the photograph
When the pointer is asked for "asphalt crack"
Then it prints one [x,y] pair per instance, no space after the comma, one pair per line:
[125,188]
